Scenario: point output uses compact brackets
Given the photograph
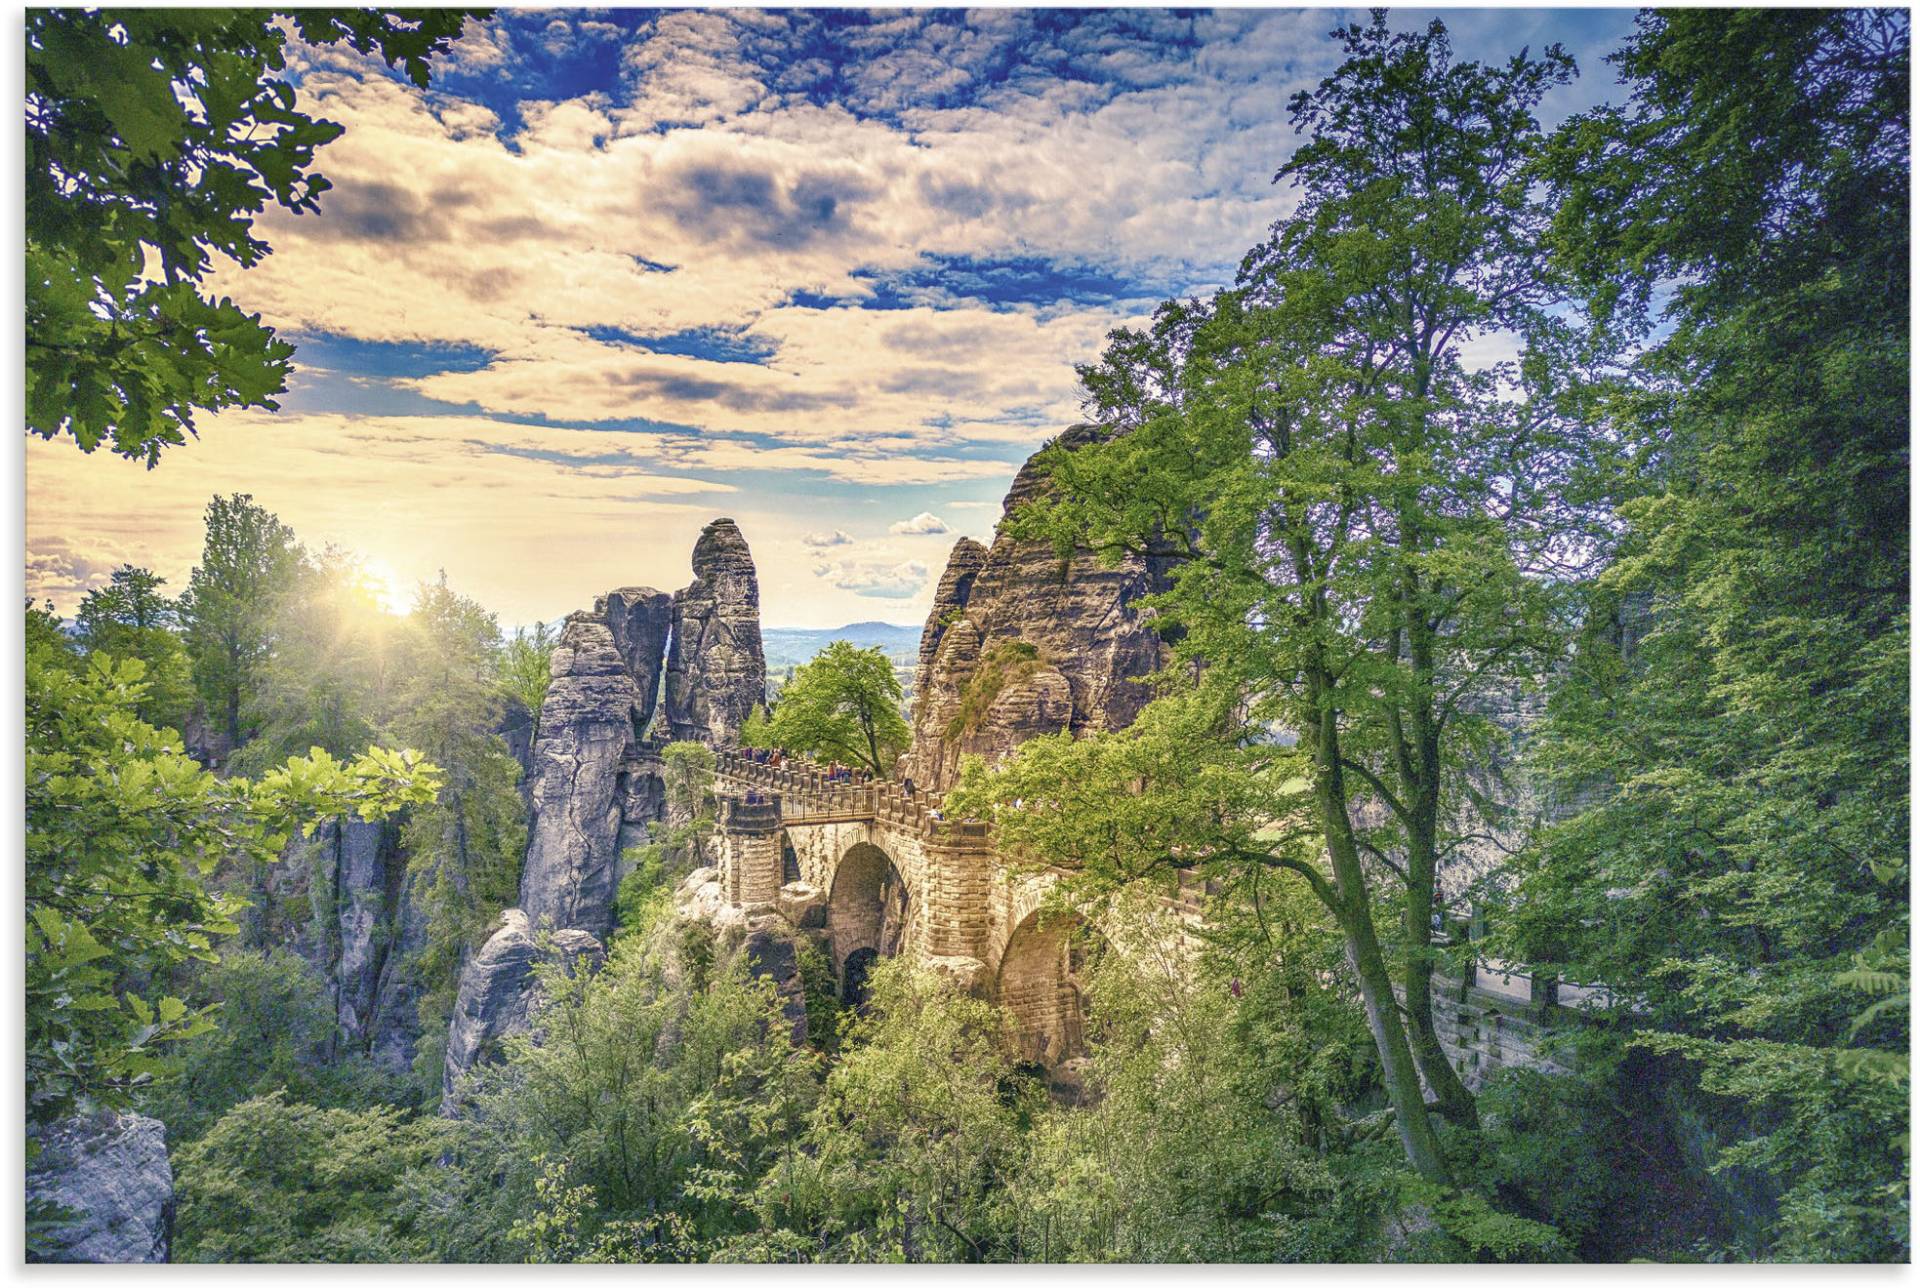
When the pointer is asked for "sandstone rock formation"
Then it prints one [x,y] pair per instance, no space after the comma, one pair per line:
[498,993]
[112,1172]
[364,951]
[640,619]
[1022,643]
[363,903]
[716,666]
[394,1032]
[950,597]
[586,736]
[767,939]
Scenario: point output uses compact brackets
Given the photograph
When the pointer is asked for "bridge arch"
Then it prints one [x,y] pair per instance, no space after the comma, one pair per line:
[1040,984]
[870,911]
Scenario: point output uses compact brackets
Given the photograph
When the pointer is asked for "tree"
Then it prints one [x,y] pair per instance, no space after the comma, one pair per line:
[153,138]
[130,617]
[526,668]
[464,847]
[917,1132]
[273,1020]
[277,1181]
[329,667]
[122,828]
[1731,744]
[131,598]
[634,1119]
[249,559]
[1183,1149]
[842,705]
[1363,529]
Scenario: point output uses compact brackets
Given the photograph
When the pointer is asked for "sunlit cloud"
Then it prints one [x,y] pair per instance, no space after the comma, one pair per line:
[620,268]
[920,525]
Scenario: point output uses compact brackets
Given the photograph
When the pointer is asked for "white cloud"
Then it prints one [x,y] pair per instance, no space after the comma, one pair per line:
[876,579]
[921,524]
[520,245]
[824,540]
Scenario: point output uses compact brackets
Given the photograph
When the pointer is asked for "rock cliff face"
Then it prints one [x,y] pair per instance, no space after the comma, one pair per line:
[641,619]
[716,666]
[365,950]
[593,789]
[112,1170]
[498,992]
[1021,643]
[586,735]
[950,597]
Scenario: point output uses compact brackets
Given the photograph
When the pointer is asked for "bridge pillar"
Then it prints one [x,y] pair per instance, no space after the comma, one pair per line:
[957,916]
[751,864]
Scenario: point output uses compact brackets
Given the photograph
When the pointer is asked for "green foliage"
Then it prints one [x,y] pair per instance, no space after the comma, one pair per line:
[272,1016]
[249,560]
[526,668]
[328,665]
[917,1133]
[1731,744]
[464,847]
[661,1084]
[686,773]
[644,896]
[843,705]
[153,138]
[1214,1090]
[130,617]
[122,828]
[1005,664]
[277,1181]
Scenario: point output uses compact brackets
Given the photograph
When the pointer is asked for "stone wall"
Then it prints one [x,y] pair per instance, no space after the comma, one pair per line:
[1501,1021]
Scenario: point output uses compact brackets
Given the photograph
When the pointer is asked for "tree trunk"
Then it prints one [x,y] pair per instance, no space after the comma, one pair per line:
[1417,1136]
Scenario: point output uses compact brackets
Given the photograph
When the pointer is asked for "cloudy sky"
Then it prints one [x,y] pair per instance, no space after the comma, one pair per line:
[827,272]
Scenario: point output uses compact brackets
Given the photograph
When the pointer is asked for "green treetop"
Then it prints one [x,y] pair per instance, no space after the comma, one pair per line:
[843,705]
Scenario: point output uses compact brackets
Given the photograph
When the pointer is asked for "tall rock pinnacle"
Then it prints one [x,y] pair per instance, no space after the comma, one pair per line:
[716,666]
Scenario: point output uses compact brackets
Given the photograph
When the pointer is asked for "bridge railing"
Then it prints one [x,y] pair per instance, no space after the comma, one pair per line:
[809,785]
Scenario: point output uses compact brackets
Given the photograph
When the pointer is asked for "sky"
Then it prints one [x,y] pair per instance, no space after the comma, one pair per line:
[827,272]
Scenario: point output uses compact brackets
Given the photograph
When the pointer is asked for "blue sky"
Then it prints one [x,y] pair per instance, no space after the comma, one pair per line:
[619,272]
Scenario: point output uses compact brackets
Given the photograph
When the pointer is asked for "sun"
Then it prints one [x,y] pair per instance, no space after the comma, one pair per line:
[394,592]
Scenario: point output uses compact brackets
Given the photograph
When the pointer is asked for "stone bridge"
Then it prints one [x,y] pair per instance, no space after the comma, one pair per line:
[877,873]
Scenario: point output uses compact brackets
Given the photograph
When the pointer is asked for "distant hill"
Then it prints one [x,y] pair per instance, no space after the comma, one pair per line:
[791,645]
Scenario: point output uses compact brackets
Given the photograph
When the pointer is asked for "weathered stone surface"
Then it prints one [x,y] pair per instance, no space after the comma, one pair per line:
[515,728]
[965,974]
[586,736]
[772,954]
[394,1033]
[643,802]
[498,993]
[1067,637]
[365,948]
[700,896]
[112,1170]
[640,619]
[364,902]
[804,905]
[716,665]
[950,599]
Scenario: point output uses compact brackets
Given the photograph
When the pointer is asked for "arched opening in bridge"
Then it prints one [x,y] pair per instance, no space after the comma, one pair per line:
[866,915]
[1042,979]
[789,861]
